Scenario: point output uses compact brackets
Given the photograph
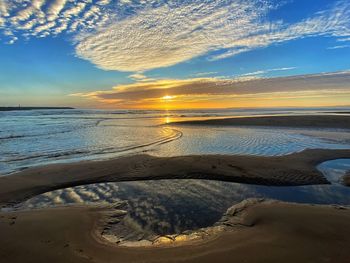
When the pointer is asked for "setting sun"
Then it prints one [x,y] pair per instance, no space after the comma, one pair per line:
[167,97]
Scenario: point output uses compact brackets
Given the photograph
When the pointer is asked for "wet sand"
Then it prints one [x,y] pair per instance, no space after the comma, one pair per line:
[346,179]
[288,170]
[338,112]
[256,232]
[298,121]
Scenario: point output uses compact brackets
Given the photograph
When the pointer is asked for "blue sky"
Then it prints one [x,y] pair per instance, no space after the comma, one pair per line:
[79,52]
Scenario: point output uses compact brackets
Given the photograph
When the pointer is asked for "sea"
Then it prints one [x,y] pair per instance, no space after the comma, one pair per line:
[40,137]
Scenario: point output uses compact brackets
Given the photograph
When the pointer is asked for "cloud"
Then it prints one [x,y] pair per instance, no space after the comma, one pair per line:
[201,74]
[332,22]
[3,9]
[339,47]
[103,2]
[42,18]
[30,10]
[136,36]
[138,76]
[212,88]
[260,72]
[75,10]
[167,35]
[343,39]
[55,8]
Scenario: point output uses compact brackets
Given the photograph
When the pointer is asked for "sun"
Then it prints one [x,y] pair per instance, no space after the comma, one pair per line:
[167,97]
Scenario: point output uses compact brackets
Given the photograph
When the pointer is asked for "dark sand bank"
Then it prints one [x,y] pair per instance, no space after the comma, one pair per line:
[298,121]
[337,112]
[34,108]
[289,170]
[346,179]
[249,232]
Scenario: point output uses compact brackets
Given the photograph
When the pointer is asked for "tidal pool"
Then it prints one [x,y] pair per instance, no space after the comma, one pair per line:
[173,206]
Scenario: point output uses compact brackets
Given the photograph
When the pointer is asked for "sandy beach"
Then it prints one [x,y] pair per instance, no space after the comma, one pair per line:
[253,232]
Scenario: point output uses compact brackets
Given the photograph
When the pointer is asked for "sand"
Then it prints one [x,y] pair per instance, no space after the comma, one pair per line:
[289,170]
[298,121]
[346,179]
[268,232]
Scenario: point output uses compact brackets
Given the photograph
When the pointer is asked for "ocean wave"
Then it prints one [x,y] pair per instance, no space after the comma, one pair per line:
[10,137]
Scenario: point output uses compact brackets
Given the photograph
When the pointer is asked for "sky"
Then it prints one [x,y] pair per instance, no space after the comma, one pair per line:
[148,54]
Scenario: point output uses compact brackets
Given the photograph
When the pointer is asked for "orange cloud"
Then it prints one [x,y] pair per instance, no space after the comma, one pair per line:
[317,89]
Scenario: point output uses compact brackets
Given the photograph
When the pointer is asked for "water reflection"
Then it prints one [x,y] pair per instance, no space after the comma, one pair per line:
[173,206]
[251,141]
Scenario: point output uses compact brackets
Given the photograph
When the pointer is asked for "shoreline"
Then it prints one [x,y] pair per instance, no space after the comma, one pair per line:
[290,232]
[288,170]
[293,121]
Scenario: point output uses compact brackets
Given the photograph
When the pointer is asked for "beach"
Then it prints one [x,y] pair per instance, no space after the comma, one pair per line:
[267,232]
[86,232]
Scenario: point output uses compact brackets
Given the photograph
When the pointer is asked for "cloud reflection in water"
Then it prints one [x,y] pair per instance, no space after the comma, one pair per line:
[172,206]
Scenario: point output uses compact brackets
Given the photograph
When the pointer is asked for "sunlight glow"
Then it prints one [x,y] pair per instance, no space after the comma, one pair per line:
[168,98]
